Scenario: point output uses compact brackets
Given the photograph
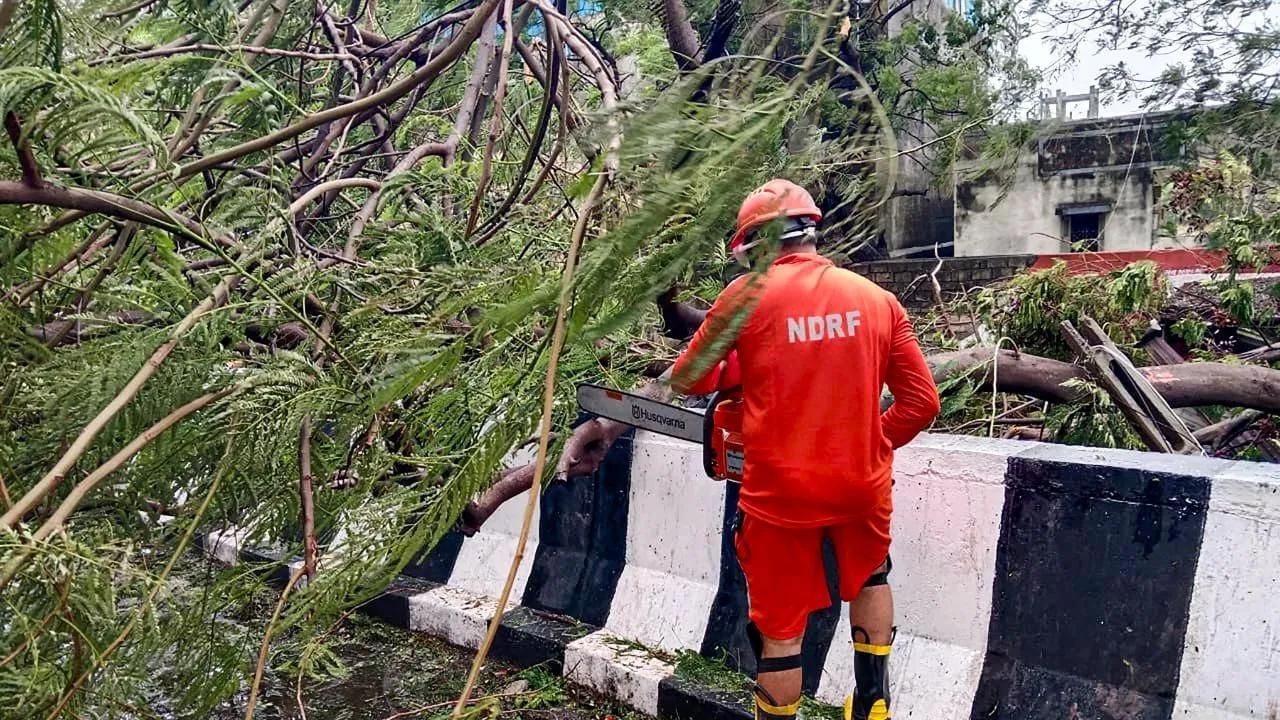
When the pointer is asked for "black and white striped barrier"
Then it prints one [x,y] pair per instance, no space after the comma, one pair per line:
[1031,582]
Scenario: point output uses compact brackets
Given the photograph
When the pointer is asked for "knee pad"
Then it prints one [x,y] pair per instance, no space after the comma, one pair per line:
[870,699]
[773,664]
[766,707]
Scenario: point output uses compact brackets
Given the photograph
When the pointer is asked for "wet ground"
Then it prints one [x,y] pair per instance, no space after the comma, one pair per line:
[392,674]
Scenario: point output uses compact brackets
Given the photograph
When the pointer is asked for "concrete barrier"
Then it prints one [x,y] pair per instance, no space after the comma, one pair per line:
[1031,582]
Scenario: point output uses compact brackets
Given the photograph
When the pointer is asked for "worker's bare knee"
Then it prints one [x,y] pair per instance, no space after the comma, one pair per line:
[781,647]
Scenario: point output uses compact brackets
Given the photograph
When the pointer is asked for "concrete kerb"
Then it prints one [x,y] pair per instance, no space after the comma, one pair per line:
[1173,563]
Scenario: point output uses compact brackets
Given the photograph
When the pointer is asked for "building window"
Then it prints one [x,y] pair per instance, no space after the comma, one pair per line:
[1083,225]
[959,6]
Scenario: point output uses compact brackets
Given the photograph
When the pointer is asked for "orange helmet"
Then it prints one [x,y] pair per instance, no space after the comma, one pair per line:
[775,199]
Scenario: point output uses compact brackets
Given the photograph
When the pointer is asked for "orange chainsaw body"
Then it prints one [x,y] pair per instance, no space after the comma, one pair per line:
[723,453]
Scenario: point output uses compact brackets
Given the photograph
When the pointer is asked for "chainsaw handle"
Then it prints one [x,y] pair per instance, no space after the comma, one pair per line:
[708,431]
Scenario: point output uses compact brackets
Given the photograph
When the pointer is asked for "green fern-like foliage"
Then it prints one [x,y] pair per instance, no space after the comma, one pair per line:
[437,340]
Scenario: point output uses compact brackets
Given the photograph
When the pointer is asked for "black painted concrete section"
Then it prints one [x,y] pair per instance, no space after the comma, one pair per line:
[582,540]
[436,564]
[820,632]
[726,634]
[678,699]
[1094,573]
[392,606]
[726,626]
[272,564]
[528,638]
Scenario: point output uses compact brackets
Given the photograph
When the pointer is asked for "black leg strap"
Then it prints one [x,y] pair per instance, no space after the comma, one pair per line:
[880,578]
[779,664]
[773,664]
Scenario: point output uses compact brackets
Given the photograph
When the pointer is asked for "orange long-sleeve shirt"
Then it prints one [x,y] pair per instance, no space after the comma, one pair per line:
[816,345]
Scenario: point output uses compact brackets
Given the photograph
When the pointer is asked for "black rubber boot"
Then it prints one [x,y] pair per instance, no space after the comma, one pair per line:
[870,701]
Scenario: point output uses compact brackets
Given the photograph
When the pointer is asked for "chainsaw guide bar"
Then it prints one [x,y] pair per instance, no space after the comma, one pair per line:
[642,412]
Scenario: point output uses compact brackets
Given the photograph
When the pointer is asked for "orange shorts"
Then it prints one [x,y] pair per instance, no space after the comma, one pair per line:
[786,578]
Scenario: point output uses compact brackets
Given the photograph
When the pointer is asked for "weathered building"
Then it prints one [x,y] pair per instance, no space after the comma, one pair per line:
[1085,185]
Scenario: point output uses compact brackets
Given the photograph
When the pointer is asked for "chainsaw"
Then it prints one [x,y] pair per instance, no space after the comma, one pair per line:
[721,438]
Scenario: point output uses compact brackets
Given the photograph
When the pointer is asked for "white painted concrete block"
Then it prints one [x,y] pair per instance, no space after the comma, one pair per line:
[660,609]
[664,595]
[928,679]
[1231,661]
[459,617]
[484,558]
[602,662]
[224,545]
[948,499]
[675,513]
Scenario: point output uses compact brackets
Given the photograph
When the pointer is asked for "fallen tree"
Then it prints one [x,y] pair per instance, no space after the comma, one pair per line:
[1183,385]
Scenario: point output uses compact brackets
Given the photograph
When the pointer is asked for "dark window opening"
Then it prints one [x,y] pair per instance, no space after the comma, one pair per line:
[1083,225]
[1084,231]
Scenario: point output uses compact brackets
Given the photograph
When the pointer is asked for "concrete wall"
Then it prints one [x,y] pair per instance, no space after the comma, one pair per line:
[909,279]
[1032,582]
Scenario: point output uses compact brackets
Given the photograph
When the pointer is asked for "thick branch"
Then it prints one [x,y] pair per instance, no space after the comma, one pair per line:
[26,158]
[1184,385]
[681,38]
[1221,433]
[679,320]
[495,123]
[722,26]
[582,455]
[97,201]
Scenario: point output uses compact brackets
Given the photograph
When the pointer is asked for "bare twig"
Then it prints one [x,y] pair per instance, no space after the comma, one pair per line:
[425,74]
[127,10]
[126,395]
[233,48]
[306,498]
[893,12]
[540,462]
[266,641]
[297,205]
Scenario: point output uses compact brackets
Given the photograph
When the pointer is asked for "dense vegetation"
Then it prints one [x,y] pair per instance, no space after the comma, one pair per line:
[253,251]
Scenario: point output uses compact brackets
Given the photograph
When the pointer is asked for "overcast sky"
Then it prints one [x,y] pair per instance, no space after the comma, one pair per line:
[1077,78]
[1090,61]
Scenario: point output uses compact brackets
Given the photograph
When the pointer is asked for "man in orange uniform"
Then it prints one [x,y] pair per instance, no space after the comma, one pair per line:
[814,346]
